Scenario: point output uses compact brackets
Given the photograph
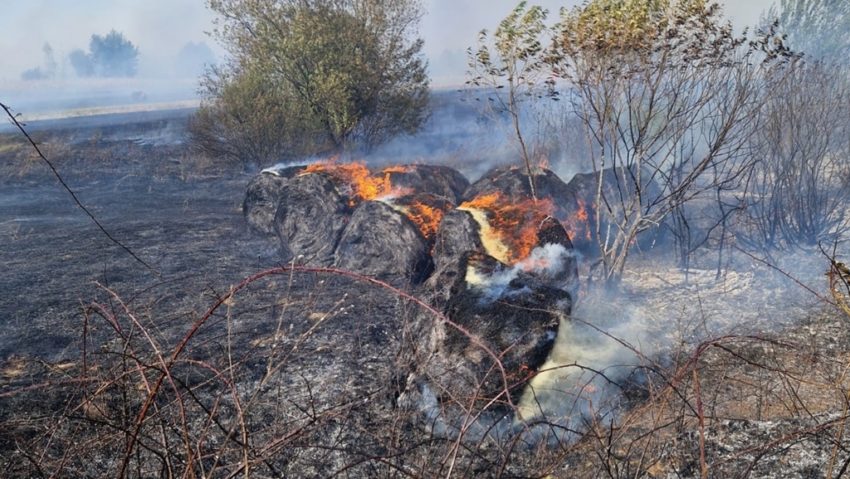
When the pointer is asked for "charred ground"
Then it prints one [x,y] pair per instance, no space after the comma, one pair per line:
[297,374]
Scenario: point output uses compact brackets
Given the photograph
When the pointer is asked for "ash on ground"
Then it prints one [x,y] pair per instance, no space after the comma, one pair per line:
[301,374]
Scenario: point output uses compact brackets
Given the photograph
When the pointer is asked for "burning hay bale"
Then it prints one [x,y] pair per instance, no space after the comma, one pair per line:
[505,323]
[383,242]
[508,226]
[392,238]
[425,210]
[509,231]
[358,182]
[434,179]
[561,200]
[310,218]
[504,271]
[505,312]
[263,197]
[316,212]
[515,314]
[574,203]
[493,223]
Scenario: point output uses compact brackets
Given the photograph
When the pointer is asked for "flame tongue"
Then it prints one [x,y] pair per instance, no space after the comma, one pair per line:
[424,210]
[354,180]
[508,228]
[359,184]
[578,225]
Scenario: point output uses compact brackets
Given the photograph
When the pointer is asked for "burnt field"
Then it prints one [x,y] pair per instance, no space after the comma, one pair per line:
[235,353]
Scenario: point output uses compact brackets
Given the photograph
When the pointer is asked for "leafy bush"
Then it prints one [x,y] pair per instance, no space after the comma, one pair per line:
[336,75]
[250,121]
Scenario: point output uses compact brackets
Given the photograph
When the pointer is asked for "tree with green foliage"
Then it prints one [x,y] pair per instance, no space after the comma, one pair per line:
[668,95]
[251,121]
[335,74]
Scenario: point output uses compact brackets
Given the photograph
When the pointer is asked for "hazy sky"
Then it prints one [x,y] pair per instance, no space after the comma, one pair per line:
[158,27]
[161,27]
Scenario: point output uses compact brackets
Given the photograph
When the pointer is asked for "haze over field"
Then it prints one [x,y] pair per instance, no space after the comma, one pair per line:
[161,28]
[612,241]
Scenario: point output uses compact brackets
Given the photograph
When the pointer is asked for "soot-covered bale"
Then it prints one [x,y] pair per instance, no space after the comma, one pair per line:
[263,197]
[434,179]
[615,181]
[382,242]
[310,218]
[495,310]
[458,234]
[551,231]
[508,322]
[553,261]
[619,187]
[513,183]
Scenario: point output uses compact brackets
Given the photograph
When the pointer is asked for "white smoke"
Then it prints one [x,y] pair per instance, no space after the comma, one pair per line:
[581,380]
[598,350]
[548,262]
[276,169]
[657,311]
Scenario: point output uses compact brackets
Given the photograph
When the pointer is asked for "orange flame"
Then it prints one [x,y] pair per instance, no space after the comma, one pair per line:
[426,218]
[424,210]
[360,184]
[578,225]
[508,228]
[358,181]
